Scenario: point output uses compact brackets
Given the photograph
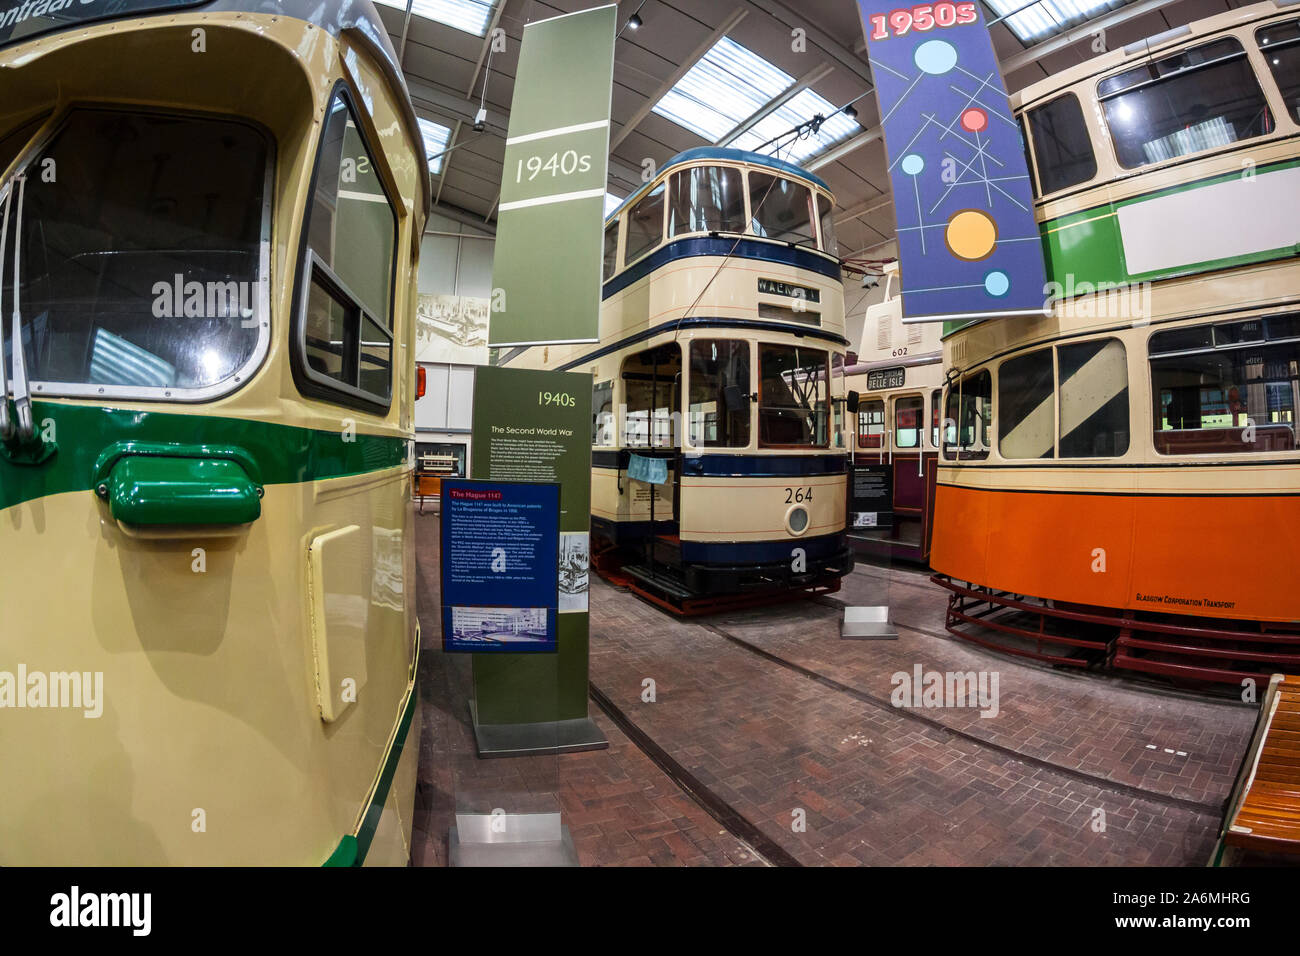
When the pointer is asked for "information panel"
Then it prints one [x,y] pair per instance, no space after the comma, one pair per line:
[500,559]
[871,496]
[968,243]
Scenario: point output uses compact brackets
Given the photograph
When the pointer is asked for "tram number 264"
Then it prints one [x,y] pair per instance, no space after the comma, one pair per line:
[798,494]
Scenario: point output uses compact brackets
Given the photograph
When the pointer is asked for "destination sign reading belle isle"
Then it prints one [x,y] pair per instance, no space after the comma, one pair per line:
[968,245]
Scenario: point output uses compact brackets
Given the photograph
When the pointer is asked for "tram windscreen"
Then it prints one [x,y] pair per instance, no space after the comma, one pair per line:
[719,394]
[794,397]
[141,252]
[24,19]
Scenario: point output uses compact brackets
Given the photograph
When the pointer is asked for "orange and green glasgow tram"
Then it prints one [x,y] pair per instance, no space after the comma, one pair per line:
[210,216]
[720,359]
[1119,481]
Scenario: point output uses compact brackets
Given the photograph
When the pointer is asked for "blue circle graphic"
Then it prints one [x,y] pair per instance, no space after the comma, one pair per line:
[935,57]
[913,164]
[996,283]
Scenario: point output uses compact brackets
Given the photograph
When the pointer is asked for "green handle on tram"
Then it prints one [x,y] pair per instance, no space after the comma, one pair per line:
[154,490]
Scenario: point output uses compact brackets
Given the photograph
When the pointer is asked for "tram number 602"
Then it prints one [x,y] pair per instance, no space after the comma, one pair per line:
[559,164]
[798,494]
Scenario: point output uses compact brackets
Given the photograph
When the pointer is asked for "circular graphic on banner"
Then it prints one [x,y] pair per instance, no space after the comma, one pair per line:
[996,283]
[935,57]
[913,164]
[971,234]
[975,120]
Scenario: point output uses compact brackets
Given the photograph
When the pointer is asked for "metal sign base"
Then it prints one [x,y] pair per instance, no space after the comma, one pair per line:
[868,624]
[544,737]
[510,839]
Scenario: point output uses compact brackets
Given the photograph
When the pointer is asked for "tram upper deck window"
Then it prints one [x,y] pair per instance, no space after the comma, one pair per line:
[909,412]
[718,410]
[793,396]
[871,423]
[611,249]
[706,199]
[142,264]
[645,225]
[1062,145]
[969,412]
[345,330]
[830,245]
[1280,44]
[781,209]
[1228,388]
[1026,419]
[1203,98]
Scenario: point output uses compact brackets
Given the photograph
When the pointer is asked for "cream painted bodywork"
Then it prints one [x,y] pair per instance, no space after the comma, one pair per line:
[210,682]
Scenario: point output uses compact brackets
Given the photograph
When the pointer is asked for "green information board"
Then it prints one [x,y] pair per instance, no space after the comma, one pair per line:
[536,426]
[546,273]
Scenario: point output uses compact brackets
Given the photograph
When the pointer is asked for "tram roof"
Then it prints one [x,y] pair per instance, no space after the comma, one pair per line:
[730,155]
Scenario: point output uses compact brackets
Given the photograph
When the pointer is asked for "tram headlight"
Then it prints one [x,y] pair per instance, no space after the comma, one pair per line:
[796,520]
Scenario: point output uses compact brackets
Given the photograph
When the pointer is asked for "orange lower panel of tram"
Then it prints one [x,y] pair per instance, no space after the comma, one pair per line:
[1222,557]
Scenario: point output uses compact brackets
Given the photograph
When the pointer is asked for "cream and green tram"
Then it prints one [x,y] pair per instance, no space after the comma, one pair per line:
[1119,483]
[719,446]
[210,215]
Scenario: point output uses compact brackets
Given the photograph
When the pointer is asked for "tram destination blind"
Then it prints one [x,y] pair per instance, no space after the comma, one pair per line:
[871,496]
[500,566]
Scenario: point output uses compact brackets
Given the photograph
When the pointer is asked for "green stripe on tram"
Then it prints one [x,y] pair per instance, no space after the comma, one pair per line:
[284,454]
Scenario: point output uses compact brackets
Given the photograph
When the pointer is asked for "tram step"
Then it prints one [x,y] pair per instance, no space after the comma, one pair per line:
[658,580]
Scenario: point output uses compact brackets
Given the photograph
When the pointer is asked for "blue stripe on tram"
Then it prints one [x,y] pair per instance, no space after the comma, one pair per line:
[723,246]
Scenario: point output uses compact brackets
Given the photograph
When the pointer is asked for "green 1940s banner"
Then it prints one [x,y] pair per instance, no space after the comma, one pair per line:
[546,273]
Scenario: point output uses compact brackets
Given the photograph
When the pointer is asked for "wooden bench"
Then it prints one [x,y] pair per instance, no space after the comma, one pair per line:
[1264,811]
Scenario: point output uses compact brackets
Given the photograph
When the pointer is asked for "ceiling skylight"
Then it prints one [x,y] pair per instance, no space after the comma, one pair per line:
[611,202]
[436,138]
[802,107]
[472,16]
[1049,16]
[727,85]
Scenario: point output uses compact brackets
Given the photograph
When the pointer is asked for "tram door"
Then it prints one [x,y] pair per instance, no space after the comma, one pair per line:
[652,382]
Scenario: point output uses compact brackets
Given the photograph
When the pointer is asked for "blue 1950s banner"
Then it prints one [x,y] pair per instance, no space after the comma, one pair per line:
[968,245]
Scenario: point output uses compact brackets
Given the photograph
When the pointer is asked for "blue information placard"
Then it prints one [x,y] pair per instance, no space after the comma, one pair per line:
[968,243]
[500,565]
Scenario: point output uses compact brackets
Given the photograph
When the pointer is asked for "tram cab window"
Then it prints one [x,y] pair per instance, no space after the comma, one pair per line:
[142,263]
[1228,388]
[909,412]
[718,411]
[651,389]
[1093,397]
[706,199]
[970,413]
[346,325]
[1026,418]
[871,423]
[611,250]
[793,396]
[1198,99]
[645,225]
[782,210]
[1280,44]
[830,245]
[603,424]
[936,409]
[1062,145]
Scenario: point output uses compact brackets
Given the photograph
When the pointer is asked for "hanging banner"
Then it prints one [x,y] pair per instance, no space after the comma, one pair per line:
[546,271]
[968,243]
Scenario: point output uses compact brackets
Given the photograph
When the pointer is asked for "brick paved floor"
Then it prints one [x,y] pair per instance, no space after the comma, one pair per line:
[873,784]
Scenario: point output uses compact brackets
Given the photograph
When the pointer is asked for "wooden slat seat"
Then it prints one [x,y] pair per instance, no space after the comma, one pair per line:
[1267,810]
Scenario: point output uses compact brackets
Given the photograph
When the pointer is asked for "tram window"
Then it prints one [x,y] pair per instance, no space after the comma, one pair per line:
[346,323]
[871,424]
[1062,146]
[1203,98]
[11,144]
[825,208]
[1234,397]
[781,210]
[645,225]
[142,260]
[706,199]
[651,382]
[1280,44]
[936,406]
[611,249]
[603,433]
[1093,399]
[718,413]
[793,396]
[970,409]
[909,413]
[1026,421]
